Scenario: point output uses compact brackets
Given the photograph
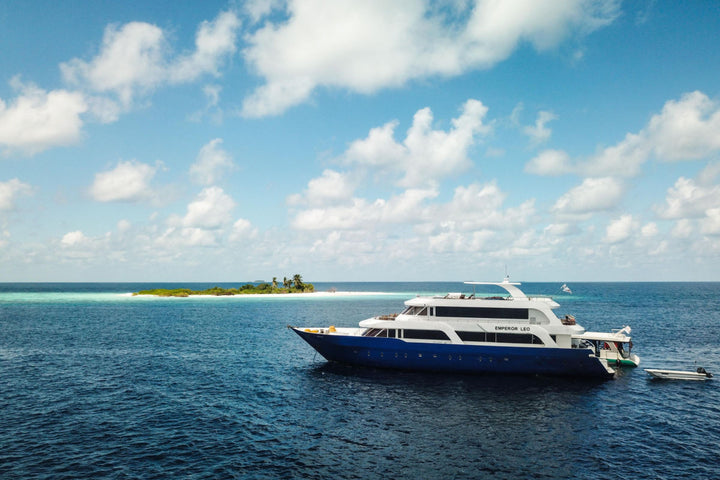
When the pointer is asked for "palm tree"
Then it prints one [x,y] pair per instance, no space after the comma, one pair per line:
[274,282]
[297,278]
[287,283]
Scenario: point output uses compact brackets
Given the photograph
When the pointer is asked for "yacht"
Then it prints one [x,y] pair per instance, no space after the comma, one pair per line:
[506,334]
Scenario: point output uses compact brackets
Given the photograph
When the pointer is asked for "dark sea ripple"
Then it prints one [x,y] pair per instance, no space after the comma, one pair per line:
[98,385]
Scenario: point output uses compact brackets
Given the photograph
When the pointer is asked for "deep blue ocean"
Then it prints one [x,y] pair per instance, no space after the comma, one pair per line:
[98,384]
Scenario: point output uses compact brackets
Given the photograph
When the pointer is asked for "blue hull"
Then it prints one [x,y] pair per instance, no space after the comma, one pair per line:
[398,354]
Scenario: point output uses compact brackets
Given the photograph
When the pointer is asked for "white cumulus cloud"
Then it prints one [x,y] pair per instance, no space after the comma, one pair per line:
[37,119]
[242,229]
[710,225]
[210,210]
[373,44]
[592,195]
[359,213]
[135,58]
[127,182]
[620,229]
[474,221]
[685,129]
[331,187]
[549,162]
[479,206]
[131,59]
[687,198]
[426,155]
[213,42]
[74,239]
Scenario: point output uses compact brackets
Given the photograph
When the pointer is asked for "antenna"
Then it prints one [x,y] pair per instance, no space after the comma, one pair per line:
[507,277]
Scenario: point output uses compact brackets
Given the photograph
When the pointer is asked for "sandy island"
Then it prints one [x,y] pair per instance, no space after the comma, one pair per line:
[275,295]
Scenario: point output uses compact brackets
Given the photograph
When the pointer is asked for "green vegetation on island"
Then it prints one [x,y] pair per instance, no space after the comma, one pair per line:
[289,285]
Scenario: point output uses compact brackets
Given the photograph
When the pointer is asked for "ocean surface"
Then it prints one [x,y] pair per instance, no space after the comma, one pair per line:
[95,383]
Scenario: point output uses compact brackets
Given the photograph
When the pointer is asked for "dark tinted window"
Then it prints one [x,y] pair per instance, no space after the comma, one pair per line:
[513,338]
[499,337]
[425,334]
[482,312]
[472,336]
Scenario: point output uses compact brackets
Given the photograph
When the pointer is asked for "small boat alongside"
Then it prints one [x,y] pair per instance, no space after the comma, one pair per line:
[700,374]
[509,334]
[615,347]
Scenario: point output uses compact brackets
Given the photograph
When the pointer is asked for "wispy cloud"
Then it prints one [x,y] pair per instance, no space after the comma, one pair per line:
[685,129]
[211,164]
[10,191]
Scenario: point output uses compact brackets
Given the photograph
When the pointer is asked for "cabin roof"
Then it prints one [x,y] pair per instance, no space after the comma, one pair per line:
[604,336]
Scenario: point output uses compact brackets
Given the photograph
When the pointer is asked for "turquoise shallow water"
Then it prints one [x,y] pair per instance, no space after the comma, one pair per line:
[96,384]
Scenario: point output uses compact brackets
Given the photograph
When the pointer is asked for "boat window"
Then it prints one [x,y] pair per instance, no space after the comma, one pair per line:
[515,338]
[472,336]
[425,334]
[380,332]
[415,311]
[523,338]
[483,312]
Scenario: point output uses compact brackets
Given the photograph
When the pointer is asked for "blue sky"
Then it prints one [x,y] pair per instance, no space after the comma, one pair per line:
[231,141]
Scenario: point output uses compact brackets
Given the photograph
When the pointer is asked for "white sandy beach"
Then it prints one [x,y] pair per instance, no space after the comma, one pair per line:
[278,295]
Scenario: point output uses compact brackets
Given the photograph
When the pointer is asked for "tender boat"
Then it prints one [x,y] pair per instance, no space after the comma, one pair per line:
[614,347]
[699,374]
[509,334]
